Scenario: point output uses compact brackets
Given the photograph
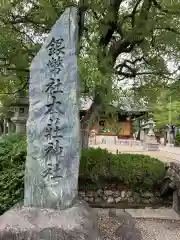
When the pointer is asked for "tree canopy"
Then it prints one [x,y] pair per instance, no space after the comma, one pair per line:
[120,40]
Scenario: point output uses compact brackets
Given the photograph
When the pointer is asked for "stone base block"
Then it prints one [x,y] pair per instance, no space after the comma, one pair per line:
[75,223]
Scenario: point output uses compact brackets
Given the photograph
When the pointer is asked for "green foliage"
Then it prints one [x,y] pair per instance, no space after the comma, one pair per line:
[149,32]
[12,159]
[140,172]
[94,163]
[11,148]
[177,139]
[167,109]
[137,171]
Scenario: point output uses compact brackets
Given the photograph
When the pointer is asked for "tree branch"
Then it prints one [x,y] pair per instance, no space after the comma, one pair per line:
[112,23]
[134,12]
[27,20]
[7,67]
[19,90]
[157,5]
[168,29]
[135,37]
[132,75]
[83,6]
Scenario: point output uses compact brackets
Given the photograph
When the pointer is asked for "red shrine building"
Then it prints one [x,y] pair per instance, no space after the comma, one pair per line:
[121,125]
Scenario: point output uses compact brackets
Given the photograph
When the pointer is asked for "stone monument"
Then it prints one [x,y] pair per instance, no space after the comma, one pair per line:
[51,209]
[150,143]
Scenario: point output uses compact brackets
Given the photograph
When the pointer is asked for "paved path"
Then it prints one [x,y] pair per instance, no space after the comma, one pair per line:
[165,154]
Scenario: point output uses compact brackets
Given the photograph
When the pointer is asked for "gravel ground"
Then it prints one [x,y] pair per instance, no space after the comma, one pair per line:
[159,229]
[107,226]
[150,229]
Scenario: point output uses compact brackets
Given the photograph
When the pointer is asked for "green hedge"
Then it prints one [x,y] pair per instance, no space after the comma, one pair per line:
[137,171]
[140,172]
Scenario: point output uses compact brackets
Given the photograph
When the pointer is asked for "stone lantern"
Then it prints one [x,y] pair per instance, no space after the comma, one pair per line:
[150,143]
[20,108]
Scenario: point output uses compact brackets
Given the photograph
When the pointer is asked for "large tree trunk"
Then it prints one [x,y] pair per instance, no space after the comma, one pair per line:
[84,139]
[88,120]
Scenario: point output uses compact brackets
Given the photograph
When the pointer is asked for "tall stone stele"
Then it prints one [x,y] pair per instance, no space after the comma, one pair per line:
[53,132]
[51,209]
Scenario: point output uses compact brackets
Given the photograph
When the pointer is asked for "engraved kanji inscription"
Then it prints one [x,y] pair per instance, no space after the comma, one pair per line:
[54,106]
[53,86]
[55,47]
[52,150]
[53,171]
[55,64]
[53,133]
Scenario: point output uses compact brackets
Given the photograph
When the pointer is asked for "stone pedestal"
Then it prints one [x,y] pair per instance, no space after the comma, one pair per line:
[75,223]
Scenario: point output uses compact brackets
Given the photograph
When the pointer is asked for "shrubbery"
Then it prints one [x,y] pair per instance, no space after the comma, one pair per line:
[140,172]
[177,140]
[137,171]
[12,159]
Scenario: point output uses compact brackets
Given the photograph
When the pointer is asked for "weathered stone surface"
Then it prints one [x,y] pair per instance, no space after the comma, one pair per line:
[110,199]
[172,181]
[100,192]
[176,202]
[75,223]
[123,194]
[98,199]
[108,192]
[53,126]
[117,193]
[122,216]
[127,230]
[91,199]
[118,199]
[129,194]
[147,195]
[165,185]
[90,194]
[127,233]
[82,194]
[173,173]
